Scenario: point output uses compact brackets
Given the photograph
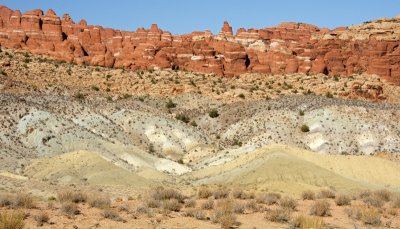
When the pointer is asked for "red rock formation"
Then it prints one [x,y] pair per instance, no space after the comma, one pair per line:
[284,49]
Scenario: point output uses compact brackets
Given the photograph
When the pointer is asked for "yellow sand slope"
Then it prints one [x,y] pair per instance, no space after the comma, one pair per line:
[83,166]
[292,170]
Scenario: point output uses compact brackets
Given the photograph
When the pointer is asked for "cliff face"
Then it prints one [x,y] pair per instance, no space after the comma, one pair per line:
[372,47]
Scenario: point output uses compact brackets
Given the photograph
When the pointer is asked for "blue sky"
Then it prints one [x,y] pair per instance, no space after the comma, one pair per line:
[185,16]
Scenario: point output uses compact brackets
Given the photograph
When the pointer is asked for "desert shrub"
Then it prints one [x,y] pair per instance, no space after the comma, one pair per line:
[268,198]
[99,201]
[252,205]
[144,210]
[170,104]
[307,222]
[124,208]
[342,200]
[195,213]
[396,202]
[153,203]
[204,192]
[22,200]
[364,194]
[11,220]
[70,209]
[353,212]
[41,219]
[326,193]
[238,208]
[190,203]
[6,200]
[171,205]
[238,194]
[279,215]
[213,113]
[183,118]
[370,216]
[110,214]
[288,203]
[308,195]
[224,214]
[383,195]
[209,204]
[79,96]
[373,201]
[320,208]
[72,196]
[304,128]
[220,193]
[161,193]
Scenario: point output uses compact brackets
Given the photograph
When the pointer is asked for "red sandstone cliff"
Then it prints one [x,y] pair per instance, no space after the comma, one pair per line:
[288,48]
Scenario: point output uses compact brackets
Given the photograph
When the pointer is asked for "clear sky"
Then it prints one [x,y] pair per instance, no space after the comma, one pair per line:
[185,16]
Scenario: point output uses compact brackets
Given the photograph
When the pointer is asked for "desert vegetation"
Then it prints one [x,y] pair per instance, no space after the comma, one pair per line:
[212,205]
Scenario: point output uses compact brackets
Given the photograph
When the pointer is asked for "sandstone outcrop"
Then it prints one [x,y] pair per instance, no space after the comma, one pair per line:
[372,47]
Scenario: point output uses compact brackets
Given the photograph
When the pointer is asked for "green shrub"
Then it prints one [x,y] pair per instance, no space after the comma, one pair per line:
[213,113]
[169,104]
[304,128]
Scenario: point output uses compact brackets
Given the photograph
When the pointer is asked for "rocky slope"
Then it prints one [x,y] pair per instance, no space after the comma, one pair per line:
[288,48]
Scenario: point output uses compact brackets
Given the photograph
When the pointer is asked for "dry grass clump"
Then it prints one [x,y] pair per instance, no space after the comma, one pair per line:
[190,203]
[373,201]
[70,209]
[268,198]
[371,216]
[252,205]
[41,219]
[113,215]
[288,203]
[354,212]
[364,194]
[224,214]
[238,208]
[11,220]
[326,193]
[307,222]
[342,200]
[308,195]
[195,213]
[320,208]
[396,202]
[171,205]
[208,205]
[240,194]
[20,200]
[221,193]
[72,196]
[279,215]
[152,203]
[204,192]
[99,201]
[368,215]
[144,210]
[161,193]
[6,200]
[382,194]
